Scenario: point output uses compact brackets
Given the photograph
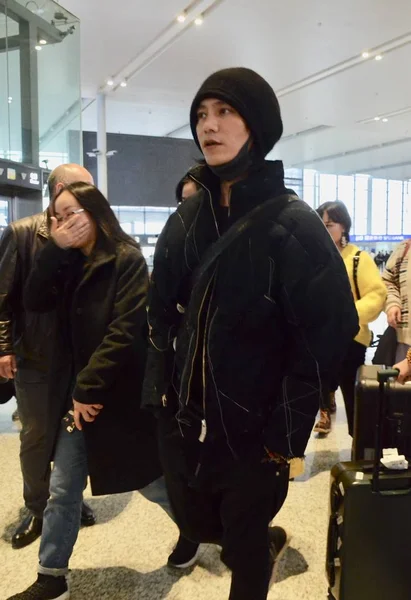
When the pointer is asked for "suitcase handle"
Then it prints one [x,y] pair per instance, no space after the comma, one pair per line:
[383,377]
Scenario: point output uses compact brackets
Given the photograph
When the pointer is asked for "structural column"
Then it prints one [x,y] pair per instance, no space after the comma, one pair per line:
[102,180]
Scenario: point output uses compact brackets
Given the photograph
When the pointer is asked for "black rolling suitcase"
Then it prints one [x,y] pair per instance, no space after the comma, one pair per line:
[369,534]
[396,425]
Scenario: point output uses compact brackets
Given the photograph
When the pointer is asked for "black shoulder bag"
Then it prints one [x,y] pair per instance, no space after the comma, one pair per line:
[240,227]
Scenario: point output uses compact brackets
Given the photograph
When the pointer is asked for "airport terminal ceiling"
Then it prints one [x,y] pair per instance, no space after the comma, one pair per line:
[340,70]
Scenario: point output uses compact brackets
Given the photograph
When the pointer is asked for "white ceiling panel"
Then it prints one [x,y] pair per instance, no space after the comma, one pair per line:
[310,52]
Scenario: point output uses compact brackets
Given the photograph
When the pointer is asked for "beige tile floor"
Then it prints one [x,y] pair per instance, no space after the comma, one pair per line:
[123,557]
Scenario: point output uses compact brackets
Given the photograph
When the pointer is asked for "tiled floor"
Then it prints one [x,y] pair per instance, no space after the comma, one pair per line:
[124,556]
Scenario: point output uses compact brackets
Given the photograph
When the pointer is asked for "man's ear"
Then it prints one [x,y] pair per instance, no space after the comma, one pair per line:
[58,188]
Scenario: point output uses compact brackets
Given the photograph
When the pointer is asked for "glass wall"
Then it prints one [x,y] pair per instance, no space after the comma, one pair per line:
[378,207]
[40,98]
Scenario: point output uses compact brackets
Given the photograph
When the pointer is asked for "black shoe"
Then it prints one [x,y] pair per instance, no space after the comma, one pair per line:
[27,532]
[88,518]
[184,554]
[45,588]
[279,542]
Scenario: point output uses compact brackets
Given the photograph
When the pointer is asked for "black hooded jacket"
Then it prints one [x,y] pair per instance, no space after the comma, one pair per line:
[240,355]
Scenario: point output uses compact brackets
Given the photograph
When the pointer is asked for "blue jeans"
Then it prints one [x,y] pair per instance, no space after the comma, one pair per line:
[61,519]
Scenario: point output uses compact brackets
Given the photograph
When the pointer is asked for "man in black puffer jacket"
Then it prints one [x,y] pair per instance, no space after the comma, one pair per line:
[250,310]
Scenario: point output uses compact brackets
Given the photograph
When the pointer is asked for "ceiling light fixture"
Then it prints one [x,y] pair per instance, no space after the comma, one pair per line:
[199,20]
[110,82]
[379,57]
[42,42]
[37,48]
[9,99]
[181,18]
[123,83]
[385,120]
[365,55]
[377,118]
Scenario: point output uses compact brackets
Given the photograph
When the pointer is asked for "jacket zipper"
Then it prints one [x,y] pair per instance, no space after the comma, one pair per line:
[203,432]
[196,346]
[202,303]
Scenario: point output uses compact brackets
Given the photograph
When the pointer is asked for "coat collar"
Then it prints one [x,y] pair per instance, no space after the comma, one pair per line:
[97,259]
[44,230]
[260,185]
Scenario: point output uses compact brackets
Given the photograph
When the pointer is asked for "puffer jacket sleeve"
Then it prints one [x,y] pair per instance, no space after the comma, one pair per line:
[8,277]
[162,313]
[372,289]
[320,321]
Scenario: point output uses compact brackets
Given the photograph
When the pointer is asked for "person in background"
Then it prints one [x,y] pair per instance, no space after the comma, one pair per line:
[96,279]
[397,278]
[237,353]
[188,186]
[25,352]
[369,293]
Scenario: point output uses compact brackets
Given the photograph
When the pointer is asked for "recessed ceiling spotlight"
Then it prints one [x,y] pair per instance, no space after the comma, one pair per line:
[9,99]
[379,57]
[365,55]
[42,42]
[123,83]
[38,48]
[181,18]
[377,118]
[199,20]
[385,120]
[110,82]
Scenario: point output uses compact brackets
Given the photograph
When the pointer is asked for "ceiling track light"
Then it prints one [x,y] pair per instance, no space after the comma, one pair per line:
[181,18]
[38,48]
[379,57]
[110,82]
[199,20]
[377,118]
[123,84]
[365,55]
[42,42]
[385,120]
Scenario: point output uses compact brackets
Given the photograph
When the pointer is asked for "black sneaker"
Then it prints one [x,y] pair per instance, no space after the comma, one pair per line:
[184,554]
[45,588]
[279,542]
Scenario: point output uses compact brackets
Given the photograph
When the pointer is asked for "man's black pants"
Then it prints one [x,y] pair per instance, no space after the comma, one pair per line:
[31,393]
[233,508]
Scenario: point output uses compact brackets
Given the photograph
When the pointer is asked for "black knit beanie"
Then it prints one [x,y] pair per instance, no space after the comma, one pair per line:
[252,97]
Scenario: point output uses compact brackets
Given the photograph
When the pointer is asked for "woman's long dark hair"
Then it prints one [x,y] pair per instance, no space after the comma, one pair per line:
[92,200]
[338,213]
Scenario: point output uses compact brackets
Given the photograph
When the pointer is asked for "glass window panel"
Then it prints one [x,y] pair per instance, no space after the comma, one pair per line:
[361,205]
[379,207]
[328,188]
[155,220]
[394,225]
[407,209]
[309,186]
[346,193]
[127,227]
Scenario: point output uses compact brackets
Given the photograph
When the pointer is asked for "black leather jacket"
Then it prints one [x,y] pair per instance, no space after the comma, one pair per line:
[26,334]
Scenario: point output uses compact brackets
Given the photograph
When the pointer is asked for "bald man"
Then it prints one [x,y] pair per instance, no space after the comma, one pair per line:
[24,351]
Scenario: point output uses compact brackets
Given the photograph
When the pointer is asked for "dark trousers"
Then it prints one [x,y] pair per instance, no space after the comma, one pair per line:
[234,508]
[31,394]
[346,381]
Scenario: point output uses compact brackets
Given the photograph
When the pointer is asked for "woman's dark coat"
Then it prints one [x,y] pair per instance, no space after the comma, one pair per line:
[100,346]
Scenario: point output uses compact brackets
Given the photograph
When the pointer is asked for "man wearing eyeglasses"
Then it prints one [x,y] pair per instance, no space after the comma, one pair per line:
[24,351]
